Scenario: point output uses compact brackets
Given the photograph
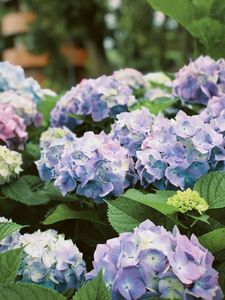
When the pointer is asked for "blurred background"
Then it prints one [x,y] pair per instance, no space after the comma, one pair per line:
[60,42]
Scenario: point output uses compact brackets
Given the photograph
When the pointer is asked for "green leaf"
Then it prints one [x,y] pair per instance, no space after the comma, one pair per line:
[8,228]
[45,107]
[156,106]
[212,188]
[26,190]
[155,201]
[203,218]
[25,291]
[93,290]
[9,265]
[214,240]
[124,214]
[63,212]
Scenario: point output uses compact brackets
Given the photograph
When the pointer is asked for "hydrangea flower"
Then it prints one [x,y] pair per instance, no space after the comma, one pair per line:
[50,260]
[11,241]
[93,166]
[152,262]
[52,134]
[200,80]
[131,77]
[23,106]
[131,128]
[10,164]
[188,200]
[97,98]
[214,113]
[13,78]
[12,128]
[179,151]
[157,78]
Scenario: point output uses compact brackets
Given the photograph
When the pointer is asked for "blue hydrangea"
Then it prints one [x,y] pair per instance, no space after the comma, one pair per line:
[154,263]
[99,99]
[179,151]
[200,80]
[50,260]
[13,78]
[131,128]
[93,166]
[11,241]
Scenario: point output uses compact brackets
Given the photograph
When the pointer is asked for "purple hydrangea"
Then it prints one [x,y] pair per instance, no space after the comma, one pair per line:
[12,128]
[93,166]
[50,260]
[23,106]
[13,78]
[152,263]
[97,98]
[200,80]
[179,151]
[131,128]
[214,113]
[131,77]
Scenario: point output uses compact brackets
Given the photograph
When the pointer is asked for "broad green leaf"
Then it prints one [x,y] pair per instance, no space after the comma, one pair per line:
[45,107]
[8,228]
[94,290]
[124,214]
[63,212]
[156,106]
[155,201]
[25,291]
[26,190]
[214,240]
[203,218]
[212,188]
[9,265]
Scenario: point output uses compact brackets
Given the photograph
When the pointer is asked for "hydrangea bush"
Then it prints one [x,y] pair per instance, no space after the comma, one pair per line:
[152,262]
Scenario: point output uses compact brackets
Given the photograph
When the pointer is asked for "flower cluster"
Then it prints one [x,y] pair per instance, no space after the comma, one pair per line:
[13,78]
[99,99]
[50,260]
[179,151]
[93,166]
[131,77]
[188,200]
[10,164]
[52,134]
[131,128]
[152,263]
[214,113]
[23,106]
[10,241]
[200,80]
[12,128]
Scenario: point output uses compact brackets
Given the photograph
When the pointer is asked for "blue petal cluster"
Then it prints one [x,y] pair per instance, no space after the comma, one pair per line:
[200,80]
[152,263]
[179,151]
[131,128]
[93,166]
[50,260]
[13,78]
[97,98]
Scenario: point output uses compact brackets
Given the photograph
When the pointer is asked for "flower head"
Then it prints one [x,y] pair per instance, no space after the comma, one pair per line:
[10,164]
[152,262]
[11,241]
[93,166]
[200,80]
[12,128]
[178,151]
[131,128]
[131,77]
[13,78]
[188,200]
[99,99]
[52,134]
[23,106]
[50,260]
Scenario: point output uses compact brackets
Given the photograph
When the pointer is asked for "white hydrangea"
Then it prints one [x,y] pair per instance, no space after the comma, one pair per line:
[10,164]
